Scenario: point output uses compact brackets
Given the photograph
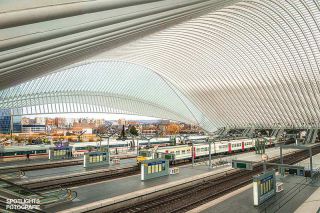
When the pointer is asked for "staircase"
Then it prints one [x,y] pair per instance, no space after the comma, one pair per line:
[10,190]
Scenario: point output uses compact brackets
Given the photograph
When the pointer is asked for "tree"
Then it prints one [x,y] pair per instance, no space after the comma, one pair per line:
[173,129]
[122,136]
[103,129]
[133,131]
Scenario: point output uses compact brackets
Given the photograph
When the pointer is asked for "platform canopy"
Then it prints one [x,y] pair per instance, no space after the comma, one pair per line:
[213,62]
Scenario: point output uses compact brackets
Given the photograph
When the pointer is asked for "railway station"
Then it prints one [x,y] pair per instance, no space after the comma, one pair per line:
[159,106]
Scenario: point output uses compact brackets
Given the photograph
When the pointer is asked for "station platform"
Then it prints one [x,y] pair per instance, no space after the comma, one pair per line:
[69,170]
[36,162]
[93,194]
[312,204]
[299,195]
[21,163]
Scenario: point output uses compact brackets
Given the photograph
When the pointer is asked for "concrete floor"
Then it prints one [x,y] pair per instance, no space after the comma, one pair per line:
[108,189]
[243,202]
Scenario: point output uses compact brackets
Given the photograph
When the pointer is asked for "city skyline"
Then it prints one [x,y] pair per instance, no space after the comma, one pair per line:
[104,116]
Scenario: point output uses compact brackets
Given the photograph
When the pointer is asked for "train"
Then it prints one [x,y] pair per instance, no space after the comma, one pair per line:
[11,153]
[176,154]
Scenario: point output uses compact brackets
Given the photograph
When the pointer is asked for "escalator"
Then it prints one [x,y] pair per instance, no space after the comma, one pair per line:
[9,190]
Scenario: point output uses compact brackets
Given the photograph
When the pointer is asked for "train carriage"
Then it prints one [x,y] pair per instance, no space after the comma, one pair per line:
[12,153]
[184,152]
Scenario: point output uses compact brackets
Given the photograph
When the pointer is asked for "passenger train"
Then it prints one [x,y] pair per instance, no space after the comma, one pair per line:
[11,153]
[183,152]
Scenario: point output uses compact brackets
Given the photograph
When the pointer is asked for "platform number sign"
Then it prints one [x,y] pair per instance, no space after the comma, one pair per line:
[264,187]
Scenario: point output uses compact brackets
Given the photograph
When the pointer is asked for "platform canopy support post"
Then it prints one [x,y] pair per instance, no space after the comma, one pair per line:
[310,152]
[137,146]
[210,163]
[192,152]
[281,161]
[11,124]
[108,149]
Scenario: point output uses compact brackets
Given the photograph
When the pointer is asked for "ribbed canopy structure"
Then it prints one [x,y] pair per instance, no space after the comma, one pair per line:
[238,63]
[43,35]
[103,87]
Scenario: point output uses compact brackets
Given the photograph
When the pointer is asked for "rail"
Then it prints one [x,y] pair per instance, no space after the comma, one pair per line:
[196,194]
[82,178]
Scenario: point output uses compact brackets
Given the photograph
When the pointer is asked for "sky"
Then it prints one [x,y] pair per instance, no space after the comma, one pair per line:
[95,116]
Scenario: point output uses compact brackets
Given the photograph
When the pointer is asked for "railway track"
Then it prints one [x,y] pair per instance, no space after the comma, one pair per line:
[80,179]
[193,196]
[39,166]
[39,185]
[72,180]
[44,184]
[52,164]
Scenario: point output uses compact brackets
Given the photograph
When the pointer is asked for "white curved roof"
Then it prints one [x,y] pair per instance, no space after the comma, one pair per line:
[239,63]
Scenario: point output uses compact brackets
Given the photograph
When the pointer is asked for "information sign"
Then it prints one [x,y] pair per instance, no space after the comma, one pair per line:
[154,168]
[264,187]
[240,164]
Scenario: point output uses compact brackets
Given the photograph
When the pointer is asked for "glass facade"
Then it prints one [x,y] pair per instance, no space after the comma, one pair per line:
[34,128]
[5,122]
